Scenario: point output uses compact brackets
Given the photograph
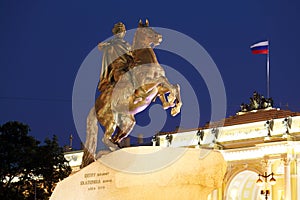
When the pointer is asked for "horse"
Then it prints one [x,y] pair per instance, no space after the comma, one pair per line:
[136,89]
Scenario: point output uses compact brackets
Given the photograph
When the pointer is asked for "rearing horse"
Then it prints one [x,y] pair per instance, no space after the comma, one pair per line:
[116,106]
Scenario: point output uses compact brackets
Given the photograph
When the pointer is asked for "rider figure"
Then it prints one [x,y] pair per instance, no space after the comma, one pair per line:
[117,57]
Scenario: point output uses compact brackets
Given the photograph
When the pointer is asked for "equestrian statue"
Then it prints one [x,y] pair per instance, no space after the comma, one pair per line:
[130,79]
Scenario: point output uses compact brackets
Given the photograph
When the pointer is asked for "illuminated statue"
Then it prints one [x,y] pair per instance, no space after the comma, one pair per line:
[131,78]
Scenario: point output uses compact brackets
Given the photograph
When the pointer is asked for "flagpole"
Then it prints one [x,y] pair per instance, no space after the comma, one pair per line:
[268,72]
[263,48]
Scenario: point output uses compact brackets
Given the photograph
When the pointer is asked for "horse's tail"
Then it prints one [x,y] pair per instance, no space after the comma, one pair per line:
[91,138]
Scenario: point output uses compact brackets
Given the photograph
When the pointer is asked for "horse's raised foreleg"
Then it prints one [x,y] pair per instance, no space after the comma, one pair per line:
[175,110]
[141,93]
[161,94]
[139,101]
[174,96]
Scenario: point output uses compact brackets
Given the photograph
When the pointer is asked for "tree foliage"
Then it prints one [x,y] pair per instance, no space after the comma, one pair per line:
[29,169]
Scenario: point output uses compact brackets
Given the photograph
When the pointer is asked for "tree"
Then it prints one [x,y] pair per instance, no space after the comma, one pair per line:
[29,170]
[17,151]
[52,165]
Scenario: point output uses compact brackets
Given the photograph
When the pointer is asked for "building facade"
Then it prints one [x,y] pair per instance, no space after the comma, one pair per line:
[263,142]
[75,159]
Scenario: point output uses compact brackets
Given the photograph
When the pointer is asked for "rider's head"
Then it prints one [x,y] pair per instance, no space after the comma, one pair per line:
[119,30]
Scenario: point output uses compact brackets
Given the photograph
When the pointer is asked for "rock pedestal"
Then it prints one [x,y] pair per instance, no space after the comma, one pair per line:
[146,173]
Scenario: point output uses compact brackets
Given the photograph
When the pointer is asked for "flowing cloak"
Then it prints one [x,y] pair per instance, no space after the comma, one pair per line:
[115,50]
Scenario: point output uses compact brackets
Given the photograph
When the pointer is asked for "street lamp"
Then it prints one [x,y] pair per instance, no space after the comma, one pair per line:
[260,182]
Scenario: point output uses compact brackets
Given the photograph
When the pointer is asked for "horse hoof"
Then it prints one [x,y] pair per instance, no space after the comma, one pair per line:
[176,109]
[174,112]
[112,146]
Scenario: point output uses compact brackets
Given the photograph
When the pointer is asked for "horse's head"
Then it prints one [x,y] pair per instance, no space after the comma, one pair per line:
[145,36]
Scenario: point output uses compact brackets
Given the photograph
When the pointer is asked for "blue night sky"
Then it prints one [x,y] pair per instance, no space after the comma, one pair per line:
[43,44]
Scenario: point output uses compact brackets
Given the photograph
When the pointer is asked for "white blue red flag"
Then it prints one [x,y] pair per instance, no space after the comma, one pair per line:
[260,48]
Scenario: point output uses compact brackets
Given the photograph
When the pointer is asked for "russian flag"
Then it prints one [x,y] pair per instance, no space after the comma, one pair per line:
[260,48]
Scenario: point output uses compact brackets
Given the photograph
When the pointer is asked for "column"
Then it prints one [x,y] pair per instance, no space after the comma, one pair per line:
[298,177]
[287,179]
[269,170]
[214,194]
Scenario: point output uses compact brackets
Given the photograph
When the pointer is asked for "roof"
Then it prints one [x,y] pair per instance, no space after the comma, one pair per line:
[258,115]
[245,118]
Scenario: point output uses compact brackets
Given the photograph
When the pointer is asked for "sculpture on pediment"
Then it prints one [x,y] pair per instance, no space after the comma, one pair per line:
[257,102]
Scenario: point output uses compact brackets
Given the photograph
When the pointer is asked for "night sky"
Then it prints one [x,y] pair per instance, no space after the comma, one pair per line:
[44,43]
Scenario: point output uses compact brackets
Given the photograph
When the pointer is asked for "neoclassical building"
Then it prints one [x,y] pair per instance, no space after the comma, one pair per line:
[75,159]
[260,145]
